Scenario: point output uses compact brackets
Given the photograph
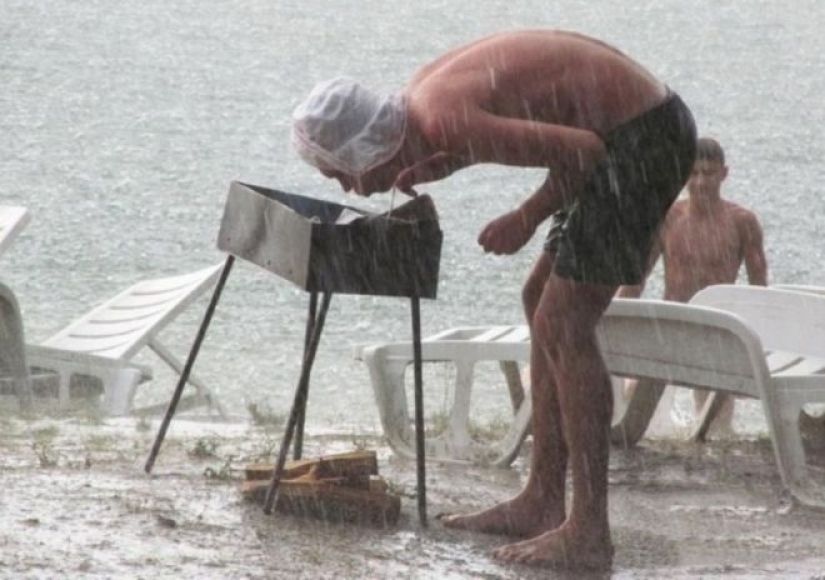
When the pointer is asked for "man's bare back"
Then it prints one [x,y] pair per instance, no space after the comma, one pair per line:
[554,77]
[528,98]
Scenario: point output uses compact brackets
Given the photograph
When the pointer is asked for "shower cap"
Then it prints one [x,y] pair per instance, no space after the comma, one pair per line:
[346,127]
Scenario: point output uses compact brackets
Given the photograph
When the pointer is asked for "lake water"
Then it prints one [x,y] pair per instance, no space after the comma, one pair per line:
[122,125]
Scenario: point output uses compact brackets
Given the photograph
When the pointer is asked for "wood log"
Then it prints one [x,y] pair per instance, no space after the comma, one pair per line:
[357,465]
[329,501]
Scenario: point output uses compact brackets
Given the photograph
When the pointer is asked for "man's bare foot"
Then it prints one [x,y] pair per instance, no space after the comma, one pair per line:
[518,517]
[557,548]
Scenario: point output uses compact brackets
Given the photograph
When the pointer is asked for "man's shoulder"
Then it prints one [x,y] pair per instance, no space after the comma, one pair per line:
[738,211]
[677,209]
[679,204]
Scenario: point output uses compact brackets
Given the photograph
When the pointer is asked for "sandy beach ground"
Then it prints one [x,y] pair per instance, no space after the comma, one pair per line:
[76,503]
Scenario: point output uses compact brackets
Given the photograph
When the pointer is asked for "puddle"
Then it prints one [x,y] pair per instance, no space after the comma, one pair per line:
[76,503]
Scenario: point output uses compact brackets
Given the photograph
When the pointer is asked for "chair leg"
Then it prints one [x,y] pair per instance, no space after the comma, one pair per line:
[783,411]
[175,364]
[512,376]
[508,447]
[713,404]
[120,392]
[12,343]
[387,370]
[458,438]
[631,427]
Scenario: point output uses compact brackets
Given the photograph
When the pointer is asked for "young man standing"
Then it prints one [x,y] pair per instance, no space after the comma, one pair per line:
[618,147]
[705,240]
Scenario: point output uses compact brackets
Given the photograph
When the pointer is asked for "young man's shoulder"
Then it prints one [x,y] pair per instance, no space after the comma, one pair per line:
[677,210]
[739,212]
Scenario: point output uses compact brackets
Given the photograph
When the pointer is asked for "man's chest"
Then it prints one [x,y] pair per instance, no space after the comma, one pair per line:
[702,241]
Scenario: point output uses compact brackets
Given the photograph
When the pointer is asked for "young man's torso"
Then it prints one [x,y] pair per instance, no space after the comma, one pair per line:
[700,248]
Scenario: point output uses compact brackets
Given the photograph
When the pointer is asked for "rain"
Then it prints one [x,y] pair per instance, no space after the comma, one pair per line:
[123,130]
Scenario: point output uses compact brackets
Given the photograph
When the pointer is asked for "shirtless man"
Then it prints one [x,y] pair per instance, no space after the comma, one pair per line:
[704,240]
[618,146]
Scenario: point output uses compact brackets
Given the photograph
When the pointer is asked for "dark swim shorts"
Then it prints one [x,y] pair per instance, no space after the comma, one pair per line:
[605,235]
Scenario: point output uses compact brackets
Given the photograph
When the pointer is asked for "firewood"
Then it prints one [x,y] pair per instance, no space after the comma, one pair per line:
[356,465]
[329,501]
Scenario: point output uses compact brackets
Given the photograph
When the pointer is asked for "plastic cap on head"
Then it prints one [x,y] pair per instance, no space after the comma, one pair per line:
[346,127]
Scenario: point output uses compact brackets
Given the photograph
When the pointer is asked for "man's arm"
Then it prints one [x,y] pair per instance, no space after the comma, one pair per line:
[490,138]
[753,251]
[510,232]
[487,138]
[478,136]
[557,192]
[437,166]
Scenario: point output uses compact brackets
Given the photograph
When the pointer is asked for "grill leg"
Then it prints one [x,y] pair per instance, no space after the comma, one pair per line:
[419,412]
[190,362]
[298,449]
[298,405]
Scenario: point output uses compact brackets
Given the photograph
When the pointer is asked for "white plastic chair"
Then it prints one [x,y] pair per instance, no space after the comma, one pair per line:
[12,221]
[720,350]
[681,344]
[99,344]
[19,379]
[15,379]
[788,321]
[464,348]
[810,288]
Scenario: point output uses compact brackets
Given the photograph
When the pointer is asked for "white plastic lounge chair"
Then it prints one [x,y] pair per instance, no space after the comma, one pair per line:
[99,344]
[12,221]
[13,370]
[636,421]
[810,288]
[14,373]
[788,321]
[464,348]
[721,350]
[681,344]
[19,380]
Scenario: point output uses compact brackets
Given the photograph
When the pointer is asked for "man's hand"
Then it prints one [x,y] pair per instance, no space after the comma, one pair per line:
[405,181]
[437,166]
[507,234]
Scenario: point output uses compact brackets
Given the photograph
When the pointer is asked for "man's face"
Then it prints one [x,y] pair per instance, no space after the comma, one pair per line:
[346,181]
[378,179]
[706,178]
[375,180]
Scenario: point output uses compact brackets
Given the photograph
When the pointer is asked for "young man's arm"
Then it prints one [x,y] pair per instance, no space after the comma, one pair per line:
[753,251]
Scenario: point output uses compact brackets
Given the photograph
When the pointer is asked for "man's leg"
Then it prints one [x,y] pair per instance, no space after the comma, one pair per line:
[565,326]
[539,507]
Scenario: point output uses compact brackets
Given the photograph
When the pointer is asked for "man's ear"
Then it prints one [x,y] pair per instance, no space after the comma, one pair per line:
[724,172]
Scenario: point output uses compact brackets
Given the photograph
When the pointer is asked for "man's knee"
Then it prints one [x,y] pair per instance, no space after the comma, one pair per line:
[533,287]
[531,294]
[554,328]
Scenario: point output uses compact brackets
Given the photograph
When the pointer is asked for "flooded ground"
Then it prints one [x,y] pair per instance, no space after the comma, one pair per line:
[76,503]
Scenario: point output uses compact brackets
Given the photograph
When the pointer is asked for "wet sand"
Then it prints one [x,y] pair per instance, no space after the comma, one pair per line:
[76,503]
